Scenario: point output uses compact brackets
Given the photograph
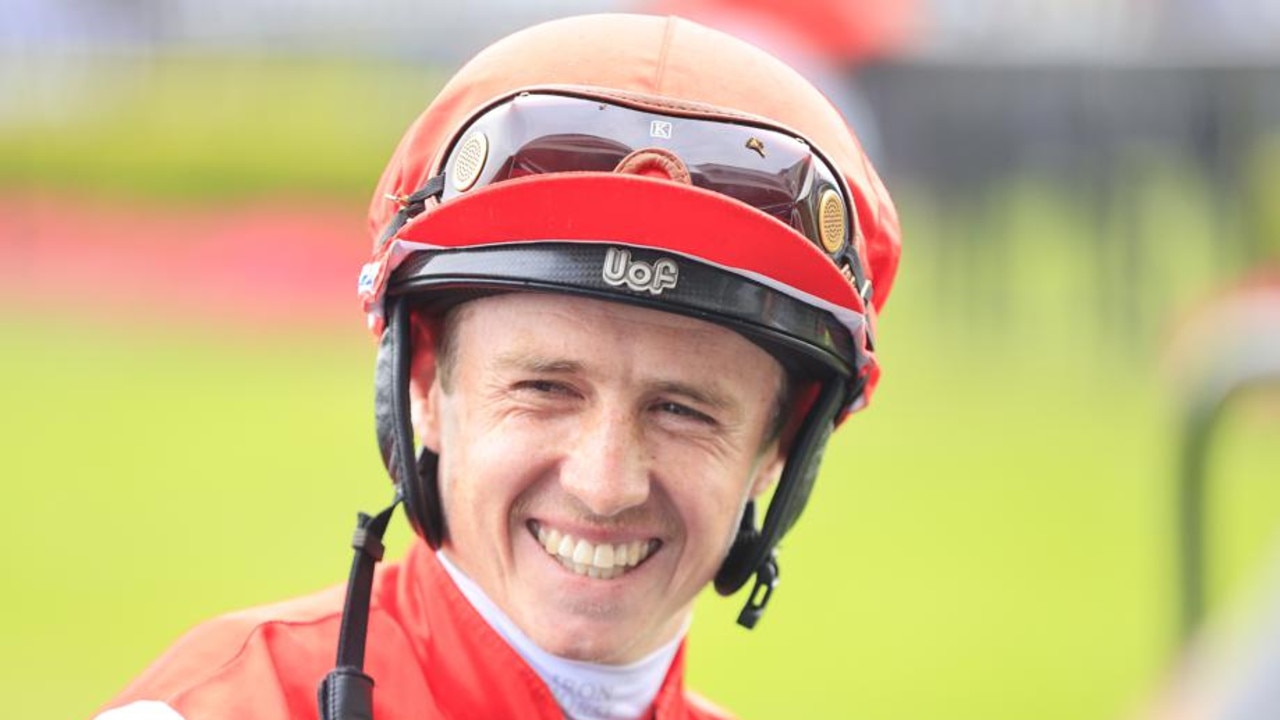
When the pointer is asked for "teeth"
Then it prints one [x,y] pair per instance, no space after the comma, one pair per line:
[602,561]
[583,553]
[604,557]
[550,540]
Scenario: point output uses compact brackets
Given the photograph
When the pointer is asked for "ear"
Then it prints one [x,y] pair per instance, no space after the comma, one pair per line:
[774,457]
[768,469]
[424,385]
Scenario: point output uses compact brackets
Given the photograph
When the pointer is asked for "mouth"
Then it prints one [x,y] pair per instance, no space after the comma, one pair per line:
[602,561]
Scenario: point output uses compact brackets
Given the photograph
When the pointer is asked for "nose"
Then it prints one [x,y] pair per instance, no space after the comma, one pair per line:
[605,467]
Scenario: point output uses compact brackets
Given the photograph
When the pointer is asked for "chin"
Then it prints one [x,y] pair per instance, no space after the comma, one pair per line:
[586,649]
[598,640]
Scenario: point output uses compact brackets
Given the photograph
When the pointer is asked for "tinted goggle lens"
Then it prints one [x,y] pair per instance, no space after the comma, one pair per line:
[774,172]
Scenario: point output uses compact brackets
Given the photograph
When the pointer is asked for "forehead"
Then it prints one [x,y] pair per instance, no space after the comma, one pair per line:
[607,333]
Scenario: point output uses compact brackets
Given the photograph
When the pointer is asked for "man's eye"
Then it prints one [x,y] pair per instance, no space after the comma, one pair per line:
[548,387]
[684,411]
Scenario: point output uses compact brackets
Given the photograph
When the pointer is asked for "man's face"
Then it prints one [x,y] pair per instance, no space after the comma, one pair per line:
[595,461]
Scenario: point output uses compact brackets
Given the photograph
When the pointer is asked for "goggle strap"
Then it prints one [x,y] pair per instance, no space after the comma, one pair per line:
[434,187]
[410,206]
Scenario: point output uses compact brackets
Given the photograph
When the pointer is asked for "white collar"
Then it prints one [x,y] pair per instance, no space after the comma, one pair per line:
[584,691]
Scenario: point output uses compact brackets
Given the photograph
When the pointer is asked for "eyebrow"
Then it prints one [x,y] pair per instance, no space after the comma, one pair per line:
[538,363]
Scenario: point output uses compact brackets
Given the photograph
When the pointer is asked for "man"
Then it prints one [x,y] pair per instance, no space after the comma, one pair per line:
[625,274]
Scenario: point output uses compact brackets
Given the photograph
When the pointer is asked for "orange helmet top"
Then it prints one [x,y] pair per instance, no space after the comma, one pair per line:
[654,56]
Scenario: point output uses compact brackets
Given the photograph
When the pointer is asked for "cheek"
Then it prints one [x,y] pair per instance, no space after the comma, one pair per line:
[709,497]
[484,470]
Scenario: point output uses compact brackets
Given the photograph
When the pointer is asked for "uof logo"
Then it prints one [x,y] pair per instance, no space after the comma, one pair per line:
[640,276]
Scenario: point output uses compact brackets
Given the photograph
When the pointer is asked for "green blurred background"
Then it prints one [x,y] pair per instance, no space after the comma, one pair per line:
[187,386]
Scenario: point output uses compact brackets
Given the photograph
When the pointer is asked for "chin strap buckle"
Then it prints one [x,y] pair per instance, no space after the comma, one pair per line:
[766,581]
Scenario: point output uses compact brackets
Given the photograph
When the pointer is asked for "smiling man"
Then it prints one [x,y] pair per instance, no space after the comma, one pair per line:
[595,459]
[625,276]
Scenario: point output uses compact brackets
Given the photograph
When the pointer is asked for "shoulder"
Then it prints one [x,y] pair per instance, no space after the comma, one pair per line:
[259,663]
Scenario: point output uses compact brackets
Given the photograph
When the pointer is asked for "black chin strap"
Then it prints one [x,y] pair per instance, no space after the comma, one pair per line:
[753,551]
[346,693]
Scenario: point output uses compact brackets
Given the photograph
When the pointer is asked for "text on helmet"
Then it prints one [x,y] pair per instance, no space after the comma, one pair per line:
[640,276]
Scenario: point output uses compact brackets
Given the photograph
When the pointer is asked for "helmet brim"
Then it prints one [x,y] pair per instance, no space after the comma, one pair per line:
[640,212]
[738,266]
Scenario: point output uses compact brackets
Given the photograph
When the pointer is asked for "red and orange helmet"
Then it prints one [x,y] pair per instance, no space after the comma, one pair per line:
[650,161]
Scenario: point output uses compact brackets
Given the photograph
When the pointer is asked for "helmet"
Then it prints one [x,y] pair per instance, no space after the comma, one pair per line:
[650,161]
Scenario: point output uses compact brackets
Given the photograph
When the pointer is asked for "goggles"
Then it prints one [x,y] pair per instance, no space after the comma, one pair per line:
[500,222]
[775,172]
